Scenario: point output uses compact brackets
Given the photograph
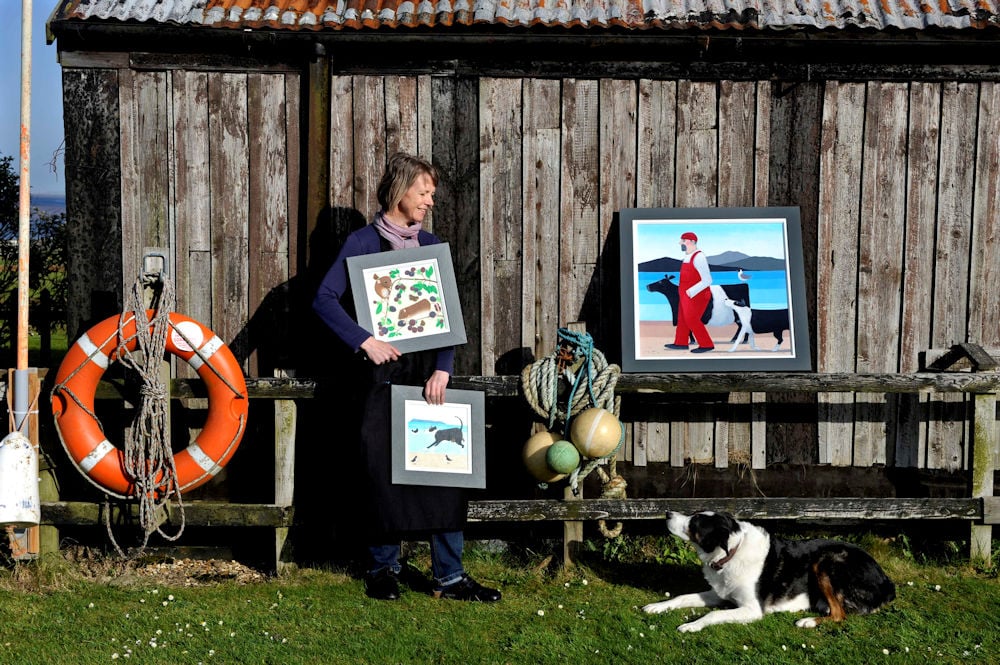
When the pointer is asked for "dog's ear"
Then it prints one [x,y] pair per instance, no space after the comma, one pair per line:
[714,539]
[711,532]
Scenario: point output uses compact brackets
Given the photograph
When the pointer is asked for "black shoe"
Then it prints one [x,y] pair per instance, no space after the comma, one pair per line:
[675,346]
[383,585]
[703,349]
[468,589]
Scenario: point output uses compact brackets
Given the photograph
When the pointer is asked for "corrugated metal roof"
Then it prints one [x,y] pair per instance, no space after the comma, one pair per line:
[630,14]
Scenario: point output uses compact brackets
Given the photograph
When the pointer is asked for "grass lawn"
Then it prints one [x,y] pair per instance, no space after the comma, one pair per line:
[946,612]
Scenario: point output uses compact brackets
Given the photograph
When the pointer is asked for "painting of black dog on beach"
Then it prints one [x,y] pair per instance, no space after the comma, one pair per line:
[712,289]
[438,444]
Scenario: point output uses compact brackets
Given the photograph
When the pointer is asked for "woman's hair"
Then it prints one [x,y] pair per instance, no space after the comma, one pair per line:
[401,172]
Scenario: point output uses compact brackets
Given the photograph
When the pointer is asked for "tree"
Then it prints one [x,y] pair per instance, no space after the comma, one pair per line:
[47,255]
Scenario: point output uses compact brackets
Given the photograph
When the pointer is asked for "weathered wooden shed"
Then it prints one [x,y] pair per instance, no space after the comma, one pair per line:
[247,137]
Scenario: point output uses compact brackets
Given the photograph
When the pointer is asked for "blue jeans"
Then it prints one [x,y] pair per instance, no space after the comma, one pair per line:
[446,557]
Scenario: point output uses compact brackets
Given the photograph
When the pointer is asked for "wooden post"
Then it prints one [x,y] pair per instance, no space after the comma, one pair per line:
[316,138]
[285,420]
[46,539]
[572,530]
[984,442]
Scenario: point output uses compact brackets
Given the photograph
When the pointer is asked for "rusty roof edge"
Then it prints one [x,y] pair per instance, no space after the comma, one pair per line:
[499,27]
[632,15]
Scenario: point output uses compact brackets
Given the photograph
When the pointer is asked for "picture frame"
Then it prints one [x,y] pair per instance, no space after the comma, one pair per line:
[429,447]
[742,245]
[408,297]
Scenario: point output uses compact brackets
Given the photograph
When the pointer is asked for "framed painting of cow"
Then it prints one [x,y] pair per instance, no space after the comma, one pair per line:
[713,290]
[438,444]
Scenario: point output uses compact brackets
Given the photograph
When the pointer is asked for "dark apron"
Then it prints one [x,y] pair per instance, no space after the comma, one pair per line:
[398,509]
[403,508]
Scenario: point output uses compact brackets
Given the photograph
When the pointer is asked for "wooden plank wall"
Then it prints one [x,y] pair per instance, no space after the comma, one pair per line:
[533,172]
[551,161]
[92,121]
[556,160]
[908,197]
[210,169]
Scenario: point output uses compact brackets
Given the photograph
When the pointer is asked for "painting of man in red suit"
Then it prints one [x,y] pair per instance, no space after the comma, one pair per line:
[694,293]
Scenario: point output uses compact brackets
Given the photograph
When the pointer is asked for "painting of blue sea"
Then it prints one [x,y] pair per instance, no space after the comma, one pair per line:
[769,291]
[438,444]
[744,264]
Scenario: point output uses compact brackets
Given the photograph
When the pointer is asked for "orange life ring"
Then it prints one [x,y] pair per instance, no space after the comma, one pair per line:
[81,434]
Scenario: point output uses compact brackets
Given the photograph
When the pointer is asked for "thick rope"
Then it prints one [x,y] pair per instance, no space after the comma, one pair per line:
[148,458]
[582,370]
[576,361]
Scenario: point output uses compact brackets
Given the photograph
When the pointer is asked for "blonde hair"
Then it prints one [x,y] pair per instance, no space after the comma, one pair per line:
[401,171]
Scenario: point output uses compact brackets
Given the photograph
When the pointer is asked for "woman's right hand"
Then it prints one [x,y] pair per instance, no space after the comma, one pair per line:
[379,352]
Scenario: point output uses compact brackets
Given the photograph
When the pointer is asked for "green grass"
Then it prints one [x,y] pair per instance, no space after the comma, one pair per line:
[945,613]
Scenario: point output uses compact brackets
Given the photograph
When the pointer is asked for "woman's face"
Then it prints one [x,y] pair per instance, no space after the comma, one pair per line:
[416,202]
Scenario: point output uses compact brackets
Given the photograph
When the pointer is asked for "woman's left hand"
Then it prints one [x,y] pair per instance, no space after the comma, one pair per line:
[434,387]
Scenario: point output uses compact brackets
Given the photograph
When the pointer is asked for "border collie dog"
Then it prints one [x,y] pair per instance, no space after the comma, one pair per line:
[753,573]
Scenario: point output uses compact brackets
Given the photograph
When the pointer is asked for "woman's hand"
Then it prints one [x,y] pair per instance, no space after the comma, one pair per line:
[434,388]
[379,352]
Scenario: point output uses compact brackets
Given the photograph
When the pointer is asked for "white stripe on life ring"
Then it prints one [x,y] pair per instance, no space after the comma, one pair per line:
[96,455]
[95,355]
[207,464]
[208,350]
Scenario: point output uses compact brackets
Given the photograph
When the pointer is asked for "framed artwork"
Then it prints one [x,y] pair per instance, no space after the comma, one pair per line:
[438,444]
[408,297]
[751,315]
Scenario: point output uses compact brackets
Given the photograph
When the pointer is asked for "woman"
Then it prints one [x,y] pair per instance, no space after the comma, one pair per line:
[406,195]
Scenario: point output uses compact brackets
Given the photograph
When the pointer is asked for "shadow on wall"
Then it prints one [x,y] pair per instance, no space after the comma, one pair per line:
[287,335]
[601,308]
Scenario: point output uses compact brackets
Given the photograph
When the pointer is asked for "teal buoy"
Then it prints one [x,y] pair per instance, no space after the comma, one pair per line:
[562,457]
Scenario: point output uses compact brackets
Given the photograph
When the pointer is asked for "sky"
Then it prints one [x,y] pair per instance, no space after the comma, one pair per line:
[753,237]
[46,97]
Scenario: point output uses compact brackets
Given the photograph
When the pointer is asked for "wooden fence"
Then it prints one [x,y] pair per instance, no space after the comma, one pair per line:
[980,508]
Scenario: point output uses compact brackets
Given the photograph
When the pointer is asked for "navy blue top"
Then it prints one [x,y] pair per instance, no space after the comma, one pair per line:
[327,303]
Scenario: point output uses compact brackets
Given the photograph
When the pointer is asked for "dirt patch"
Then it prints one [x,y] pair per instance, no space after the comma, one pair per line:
[169,571]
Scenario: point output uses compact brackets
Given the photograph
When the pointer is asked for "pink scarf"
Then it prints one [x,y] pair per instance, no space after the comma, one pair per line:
[399,237]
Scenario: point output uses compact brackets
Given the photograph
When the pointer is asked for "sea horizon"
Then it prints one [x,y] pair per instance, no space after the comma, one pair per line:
[52,204]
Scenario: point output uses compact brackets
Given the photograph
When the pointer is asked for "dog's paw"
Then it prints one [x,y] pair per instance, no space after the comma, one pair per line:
[808,622]
[692,627]
[658,608]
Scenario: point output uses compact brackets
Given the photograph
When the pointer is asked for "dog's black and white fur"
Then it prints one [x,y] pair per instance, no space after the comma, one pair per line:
[755,573]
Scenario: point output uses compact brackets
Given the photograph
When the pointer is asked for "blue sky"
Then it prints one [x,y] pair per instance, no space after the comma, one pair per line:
[754,237]
[46,103]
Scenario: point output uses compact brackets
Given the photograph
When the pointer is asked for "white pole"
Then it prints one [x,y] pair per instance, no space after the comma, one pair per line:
[20,387]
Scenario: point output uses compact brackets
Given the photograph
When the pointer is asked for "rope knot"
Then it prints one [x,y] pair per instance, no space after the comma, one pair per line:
[614,488]
[154,391]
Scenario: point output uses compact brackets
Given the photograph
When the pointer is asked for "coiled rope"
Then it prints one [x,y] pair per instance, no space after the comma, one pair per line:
[149,460]
[574,378]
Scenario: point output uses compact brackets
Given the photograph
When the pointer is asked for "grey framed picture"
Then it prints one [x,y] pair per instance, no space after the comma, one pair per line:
[713,290]
[438,444]
[408,297]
